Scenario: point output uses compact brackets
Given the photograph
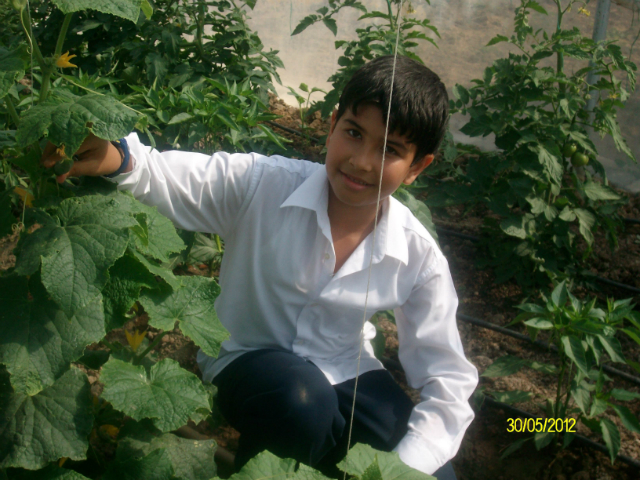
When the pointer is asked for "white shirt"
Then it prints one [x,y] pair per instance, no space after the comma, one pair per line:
[278,289]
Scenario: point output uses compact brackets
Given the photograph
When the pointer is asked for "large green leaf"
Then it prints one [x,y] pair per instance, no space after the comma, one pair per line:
[12,65]
[629,420]
[69,122]
[51,472]
[266,466]
[190,459]
[574,349]
[611,437]
[38,341]
[161,240]
[126,278]
[503,366]
[192,305]
[596,191]
[169,395]
[76,251]
[158,270]
[129,9]
[204,249]
[362,457]
[52,424]
[155,466]
[587,221]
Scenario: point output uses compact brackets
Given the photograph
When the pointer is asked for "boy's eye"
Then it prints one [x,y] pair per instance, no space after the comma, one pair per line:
[353,133]
[391,150]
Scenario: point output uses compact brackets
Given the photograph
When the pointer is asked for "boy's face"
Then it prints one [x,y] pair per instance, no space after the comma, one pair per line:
[354,158]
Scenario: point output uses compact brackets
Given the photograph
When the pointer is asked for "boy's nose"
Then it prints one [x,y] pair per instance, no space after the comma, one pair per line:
[363,160]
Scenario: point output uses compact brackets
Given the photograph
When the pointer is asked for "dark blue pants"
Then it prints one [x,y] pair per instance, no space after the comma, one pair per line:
[283,403]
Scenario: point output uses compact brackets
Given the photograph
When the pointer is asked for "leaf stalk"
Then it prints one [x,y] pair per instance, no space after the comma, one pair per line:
[12,110]
[151,346]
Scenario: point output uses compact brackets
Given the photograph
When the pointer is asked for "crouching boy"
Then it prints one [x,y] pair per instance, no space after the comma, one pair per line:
[295,274]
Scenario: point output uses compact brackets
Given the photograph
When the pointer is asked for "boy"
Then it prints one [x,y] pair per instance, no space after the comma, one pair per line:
[298,239]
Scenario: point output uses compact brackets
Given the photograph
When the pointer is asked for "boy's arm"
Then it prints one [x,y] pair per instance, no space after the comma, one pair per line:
[433,359]
[197,192]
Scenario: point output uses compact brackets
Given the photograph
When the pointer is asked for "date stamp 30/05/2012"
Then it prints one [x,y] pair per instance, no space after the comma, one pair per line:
[538,425]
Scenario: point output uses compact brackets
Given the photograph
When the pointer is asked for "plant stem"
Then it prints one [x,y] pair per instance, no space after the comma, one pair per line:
[63,34]
[12,110]
[218,244]
[568,390]
[560,60]
[560,382]
[46,82]
[151,346]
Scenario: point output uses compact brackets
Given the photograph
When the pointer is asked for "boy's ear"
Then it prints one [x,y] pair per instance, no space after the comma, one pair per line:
[417,168]
[334,115]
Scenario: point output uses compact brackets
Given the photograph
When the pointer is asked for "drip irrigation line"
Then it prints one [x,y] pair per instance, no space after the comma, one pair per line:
[577,438]
[541,344]
[631,220]
[295,132]
[600,279]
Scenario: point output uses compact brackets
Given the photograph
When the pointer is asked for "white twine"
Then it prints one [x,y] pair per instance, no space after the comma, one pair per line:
[373,245]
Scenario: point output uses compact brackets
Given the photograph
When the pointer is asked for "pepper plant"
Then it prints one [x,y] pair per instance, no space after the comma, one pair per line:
[544,205]
[583,336]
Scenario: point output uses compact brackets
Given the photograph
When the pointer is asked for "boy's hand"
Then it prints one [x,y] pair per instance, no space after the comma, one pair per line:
[95,157]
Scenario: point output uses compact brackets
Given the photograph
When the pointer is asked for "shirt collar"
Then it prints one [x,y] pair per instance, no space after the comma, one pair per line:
[313,194]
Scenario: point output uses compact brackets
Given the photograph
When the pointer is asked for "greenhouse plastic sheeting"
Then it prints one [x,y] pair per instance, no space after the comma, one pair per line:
[465,27]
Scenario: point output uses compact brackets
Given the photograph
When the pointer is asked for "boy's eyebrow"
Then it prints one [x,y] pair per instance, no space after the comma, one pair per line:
[389,141]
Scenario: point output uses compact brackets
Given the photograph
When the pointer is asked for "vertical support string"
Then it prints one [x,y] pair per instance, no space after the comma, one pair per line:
[373,245]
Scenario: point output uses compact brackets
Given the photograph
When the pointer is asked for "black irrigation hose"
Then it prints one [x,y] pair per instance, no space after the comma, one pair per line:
[578,438]
[540,343]
[474,238]
[631,220]
[295,132]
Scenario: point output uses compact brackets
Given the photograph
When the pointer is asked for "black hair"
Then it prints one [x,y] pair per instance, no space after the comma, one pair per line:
[419,105]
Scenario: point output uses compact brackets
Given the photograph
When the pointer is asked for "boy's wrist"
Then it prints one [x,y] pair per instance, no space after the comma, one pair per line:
[122,148]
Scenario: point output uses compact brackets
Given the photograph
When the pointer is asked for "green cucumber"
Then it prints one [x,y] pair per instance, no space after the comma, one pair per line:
[63,166]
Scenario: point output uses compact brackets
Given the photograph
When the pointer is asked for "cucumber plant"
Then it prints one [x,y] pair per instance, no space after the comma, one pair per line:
[86,255]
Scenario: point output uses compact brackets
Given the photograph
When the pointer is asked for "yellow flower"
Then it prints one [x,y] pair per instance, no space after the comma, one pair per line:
[63,61]
[584,12]
[60,151]
[110,430]
[135,339]
[62,460]
[26,197]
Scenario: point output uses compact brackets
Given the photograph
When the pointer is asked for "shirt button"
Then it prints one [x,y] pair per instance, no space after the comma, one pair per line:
[327,256]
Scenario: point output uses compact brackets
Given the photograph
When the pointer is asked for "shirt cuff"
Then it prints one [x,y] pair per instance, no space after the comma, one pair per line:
[416,454]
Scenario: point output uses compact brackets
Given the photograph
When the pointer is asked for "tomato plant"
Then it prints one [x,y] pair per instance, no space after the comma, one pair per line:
[537,114]
[373,41]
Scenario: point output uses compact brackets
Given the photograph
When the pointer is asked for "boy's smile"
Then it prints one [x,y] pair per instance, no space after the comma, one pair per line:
[354,158]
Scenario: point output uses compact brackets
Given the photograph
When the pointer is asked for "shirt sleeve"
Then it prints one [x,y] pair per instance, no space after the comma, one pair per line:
[432,356]
[197,192]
